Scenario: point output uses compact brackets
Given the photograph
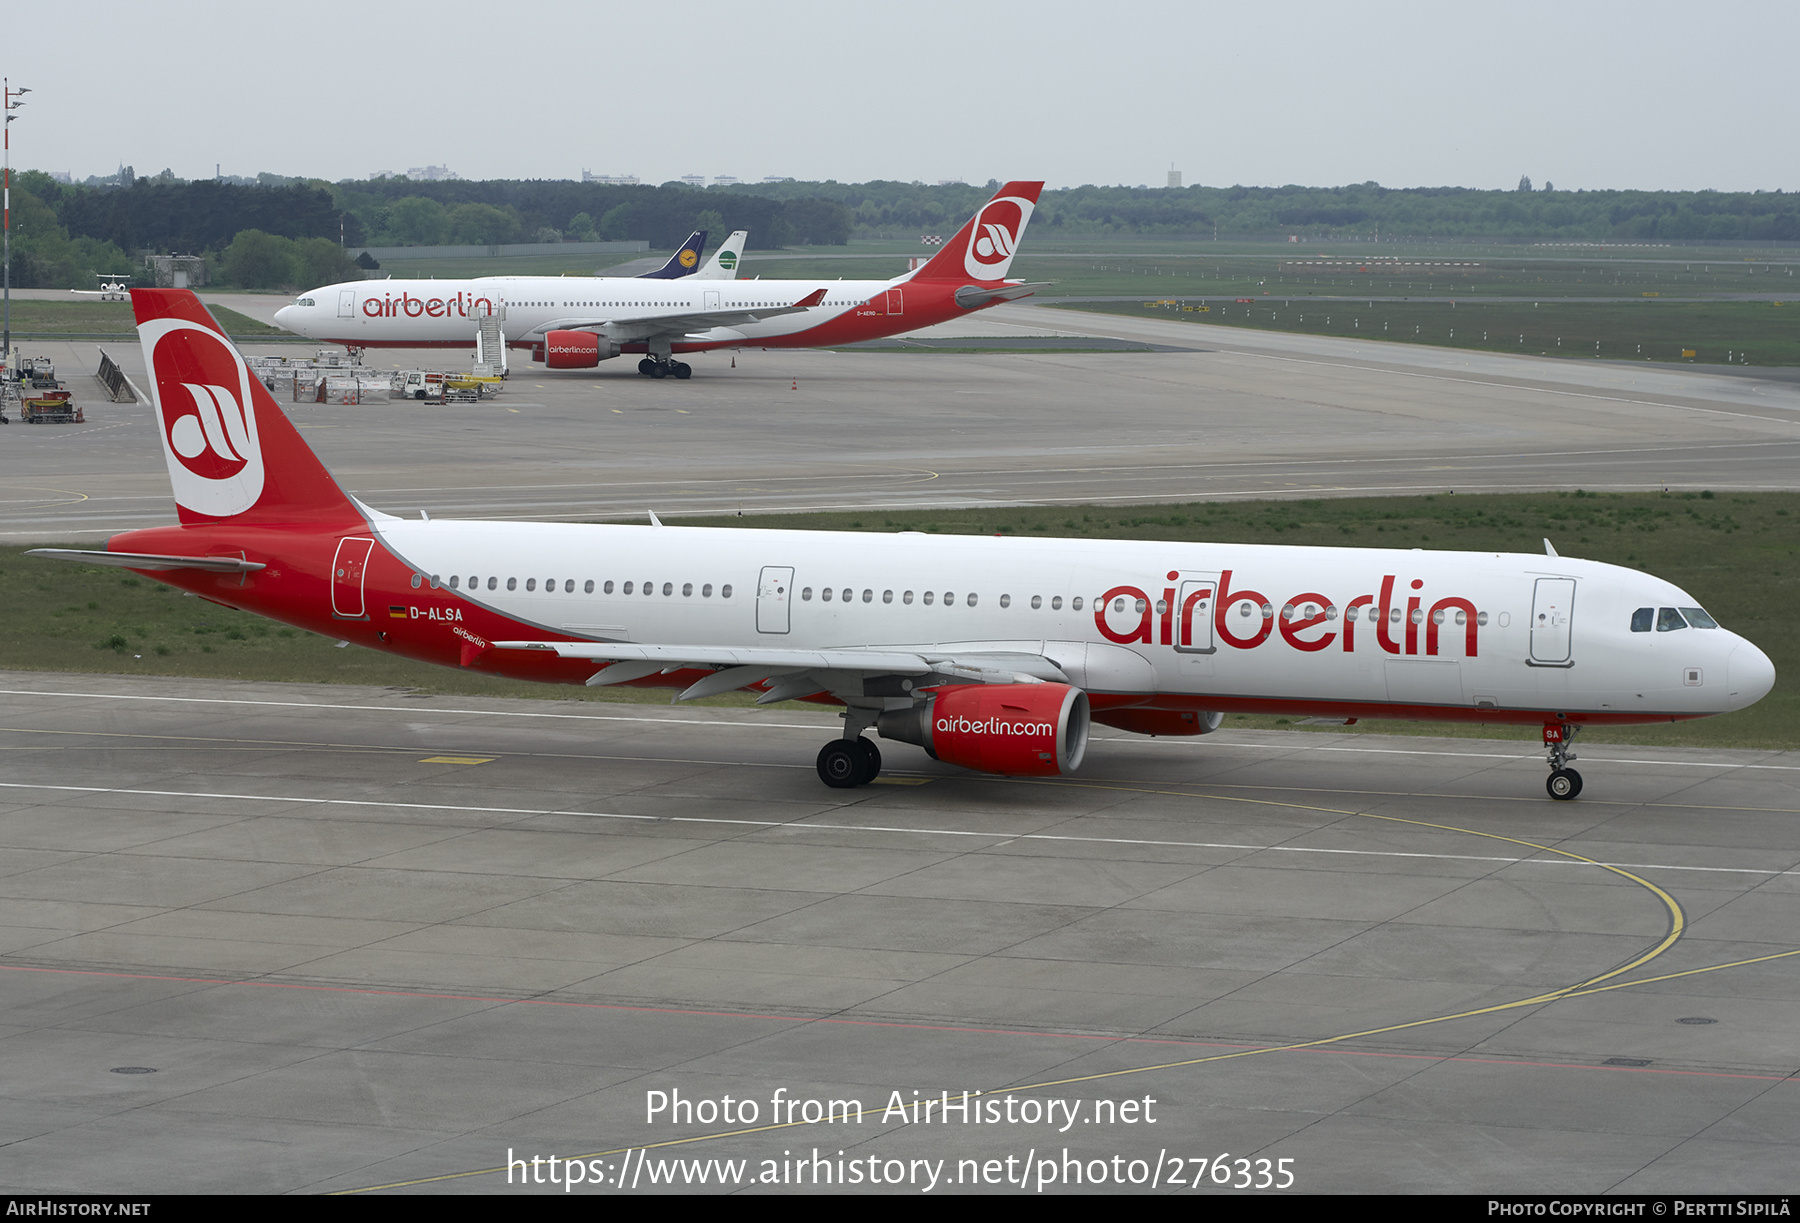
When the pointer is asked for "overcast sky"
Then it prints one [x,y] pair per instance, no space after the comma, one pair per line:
[1587,95]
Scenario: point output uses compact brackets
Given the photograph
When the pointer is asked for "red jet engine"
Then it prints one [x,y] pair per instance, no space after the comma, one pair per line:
[1016,730]
[574,350]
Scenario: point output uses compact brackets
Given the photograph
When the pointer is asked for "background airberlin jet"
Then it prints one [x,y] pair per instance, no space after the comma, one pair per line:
[990,653]
[576,322]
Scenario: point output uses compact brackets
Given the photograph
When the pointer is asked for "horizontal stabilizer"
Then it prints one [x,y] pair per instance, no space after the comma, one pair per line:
[150,561]
[973,297]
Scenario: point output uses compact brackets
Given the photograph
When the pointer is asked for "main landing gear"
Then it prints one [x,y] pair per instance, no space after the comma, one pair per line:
[1563,783]
[847,763]
[652,367]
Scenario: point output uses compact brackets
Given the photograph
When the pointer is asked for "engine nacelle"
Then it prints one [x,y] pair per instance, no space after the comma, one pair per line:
[574,350]
[1160,721]
[1016,730]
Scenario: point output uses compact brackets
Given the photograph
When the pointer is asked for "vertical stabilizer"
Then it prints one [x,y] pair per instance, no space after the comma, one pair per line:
[232,453]
[724,263]
[682,262]
[983,249]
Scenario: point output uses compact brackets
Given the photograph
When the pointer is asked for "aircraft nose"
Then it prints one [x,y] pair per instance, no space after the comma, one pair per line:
[287,317]
[1749,675]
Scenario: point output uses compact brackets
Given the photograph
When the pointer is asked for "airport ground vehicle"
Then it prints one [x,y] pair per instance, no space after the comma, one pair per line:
[990,653]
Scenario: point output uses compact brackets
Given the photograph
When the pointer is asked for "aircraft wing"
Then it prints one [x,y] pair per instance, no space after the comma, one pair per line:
[798,672]
[643,326]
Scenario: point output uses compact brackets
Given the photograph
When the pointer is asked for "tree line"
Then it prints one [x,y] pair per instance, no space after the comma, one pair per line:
[896,208]
[287,231]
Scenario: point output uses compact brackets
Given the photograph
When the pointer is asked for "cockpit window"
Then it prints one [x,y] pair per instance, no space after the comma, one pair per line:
[1668,620]
[1698,618]
[1642,619]
[304,301]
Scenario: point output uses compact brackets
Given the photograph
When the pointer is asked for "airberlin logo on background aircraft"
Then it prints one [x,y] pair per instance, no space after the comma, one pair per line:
[1170,620]
[208,422]
[994,236]
[407,305]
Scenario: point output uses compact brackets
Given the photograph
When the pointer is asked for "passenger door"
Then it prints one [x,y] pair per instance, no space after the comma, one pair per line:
[774,593]
[1193,613]
[1552,622]
[347,570]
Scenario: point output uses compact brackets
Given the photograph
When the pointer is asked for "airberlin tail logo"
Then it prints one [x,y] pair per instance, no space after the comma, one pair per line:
[210,436]
[994,237]
[208,419]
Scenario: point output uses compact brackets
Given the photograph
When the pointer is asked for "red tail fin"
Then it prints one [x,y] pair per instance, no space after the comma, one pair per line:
[232,454]
[983,249]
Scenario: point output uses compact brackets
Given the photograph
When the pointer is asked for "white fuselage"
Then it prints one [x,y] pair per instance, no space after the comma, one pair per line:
[1298,628]
[442,313]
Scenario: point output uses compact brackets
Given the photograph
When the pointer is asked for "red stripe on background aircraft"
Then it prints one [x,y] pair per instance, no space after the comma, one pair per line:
[990,653]
[576,322]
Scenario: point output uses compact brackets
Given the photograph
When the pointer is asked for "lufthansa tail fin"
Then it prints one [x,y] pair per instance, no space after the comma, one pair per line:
[983,249]
[682,262]
[232,454]
[724,263]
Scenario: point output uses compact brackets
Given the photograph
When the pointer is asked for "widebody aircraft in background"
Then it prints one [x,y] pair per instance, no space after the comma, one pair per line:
[990,653]
[684,262]
[576,322]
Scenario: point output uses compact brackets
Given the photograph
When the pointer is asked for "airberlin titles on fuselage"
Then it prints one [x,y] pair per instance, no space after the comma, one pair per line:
[463,305]
[1170,620]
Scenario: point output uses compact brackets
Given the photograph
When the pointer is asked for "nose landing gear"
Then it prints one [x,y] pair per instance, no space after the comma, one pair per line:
[1563,783]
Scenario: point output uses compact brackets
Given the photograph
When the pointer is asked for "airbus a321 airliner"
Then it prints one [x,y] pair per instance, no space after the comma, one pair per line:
[989,653]
[576,322]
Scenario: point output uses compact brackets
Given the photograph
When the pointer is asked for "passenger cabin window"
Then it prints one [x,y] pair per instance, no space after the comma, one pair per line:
[1642,619]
